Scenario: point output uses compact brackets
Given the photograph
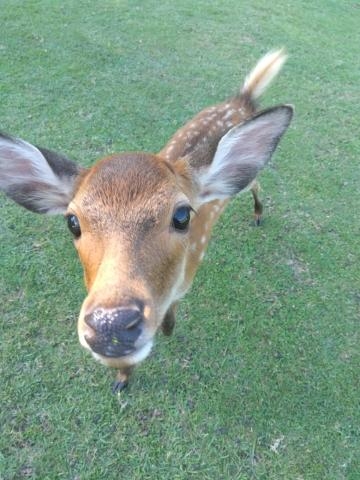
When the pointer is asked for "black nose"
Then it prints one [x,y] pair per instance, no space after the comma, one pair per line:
[115,330]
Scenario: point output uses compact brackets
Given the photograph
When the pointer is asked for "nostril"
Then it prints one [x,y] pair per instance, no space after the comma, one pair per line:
[131,319]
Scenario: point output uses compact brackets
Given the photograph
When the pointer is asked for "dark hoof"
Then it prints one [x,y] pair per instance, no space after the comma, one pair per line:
[257,221]
[118,387]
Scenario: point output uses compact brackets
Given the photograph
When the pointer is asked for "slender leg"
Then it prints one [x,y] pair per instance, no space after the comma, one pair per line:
[122,379]
[258,208]
[169,321]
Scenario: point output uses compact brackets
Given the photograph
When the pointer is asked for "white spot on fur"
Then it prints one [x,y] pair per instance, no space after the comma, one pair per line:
[229,114]
[193,247]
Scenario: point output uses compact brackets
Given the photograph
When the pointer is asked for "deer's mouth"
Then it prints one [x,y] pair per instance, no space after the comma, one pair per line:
[127,358]
[115,350]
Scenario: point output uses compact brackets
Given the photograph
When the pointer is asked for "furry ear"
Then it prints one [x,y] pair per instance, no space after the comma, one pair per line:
[242,153]
[36,178]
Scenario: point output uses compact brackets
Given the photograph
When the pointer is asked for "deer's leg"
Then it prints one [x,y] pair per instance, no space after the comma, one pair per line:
[169,321]
[122,379]
[258,208]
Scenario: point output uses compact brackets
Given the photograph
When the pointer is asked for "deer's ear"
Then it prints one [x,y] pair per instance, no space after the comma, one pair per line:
[36,178]
[242,153]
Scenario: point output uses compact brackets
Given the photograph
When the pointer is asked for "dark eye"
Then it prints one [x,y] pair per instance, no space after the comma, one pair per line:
[74,225]
[181,218]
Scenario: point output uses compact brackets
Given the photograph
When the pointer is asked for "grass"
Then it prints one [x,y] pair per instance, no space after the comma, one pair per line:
[261,378]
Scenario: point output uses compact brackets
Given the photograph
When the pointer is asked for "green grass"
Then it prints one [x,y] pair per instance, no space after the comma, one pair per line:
[261,378]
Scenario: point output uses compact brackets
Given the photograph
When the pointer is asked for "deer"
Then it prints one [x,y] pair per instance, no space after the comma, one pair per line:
[141,222]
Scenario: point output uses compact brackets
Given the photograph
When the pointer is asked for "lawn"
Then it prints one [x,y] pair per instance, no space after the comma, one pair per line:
[261,377]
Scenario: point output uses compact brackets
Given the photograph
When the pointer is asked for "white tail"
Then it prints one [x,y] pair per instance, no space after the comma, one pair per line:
[263,74]
[140,221]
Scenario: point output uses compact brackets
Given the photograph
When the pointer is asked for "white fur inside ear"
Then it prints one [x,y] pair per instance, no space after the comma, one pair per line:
[22,161]
[242,153]
[25,172]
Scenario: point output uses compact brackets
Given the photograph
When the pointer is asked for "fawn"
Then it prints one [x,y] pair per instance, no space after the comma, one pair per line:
[140,221]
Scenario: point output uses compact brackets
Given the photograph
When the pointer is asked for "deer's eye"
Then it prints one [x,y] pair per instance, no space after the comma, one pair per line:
[181,218]
[74,225]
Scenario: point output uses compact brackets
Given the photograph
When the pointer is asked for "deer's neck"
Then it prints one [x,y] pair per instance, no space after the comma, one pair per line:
[198,139]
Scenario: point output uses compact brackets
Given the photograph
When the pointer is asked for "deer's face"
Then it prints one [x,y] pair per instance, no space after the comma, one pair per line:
[131,217]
